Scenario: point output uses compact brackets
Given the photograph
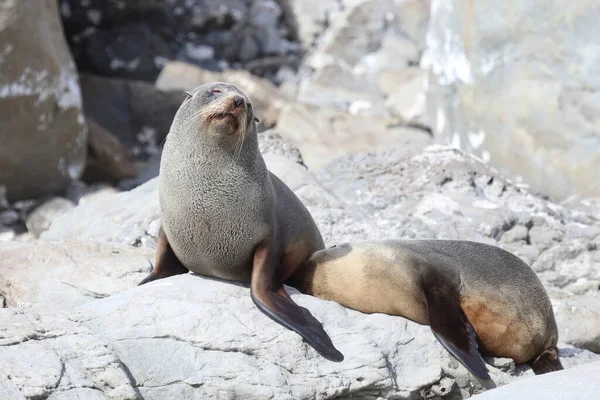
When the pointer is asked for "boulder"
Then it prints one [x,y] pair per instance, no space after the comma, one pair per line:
[41,217]
[166,340]
[42,133]
[408,192]
[137,113]
[134,40]
[108,160]
[50,276]
[363,53]
[518,91]
[325,133]
[576,383]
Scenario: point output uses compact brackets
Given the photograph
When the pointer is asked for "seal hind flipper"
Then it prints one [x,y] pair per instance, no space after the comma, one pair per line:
[547,361]
[449,323]
[276,303]
[166,264]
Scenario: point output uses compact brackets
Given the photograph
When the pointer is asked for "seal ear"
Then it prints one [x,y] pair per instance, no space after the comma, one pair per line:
[256,120]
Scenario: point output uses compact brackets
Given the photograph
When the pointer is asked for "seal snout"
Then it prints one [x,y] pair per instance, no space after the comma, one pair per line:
[238,101]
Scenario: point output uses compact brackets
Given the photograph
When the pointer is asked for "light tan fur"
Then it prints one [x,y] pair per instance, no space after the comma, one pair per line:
[502,298]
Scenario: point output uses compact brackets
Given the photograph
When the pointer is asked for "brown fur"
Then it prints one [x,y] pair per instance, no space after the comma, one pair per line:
[490,289]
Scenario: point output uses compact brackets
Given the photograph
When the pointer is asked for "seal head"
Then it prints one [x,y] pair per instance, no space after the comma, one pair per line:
[223,214]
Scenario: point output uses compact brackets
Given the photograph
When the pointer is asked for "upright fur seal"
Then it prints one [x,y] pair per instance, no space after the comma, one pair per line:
[223,214]
[476,298]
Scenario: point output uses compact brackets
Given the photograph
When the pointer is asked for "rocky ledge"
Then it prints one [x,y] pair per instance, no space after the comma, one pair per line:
[75,325]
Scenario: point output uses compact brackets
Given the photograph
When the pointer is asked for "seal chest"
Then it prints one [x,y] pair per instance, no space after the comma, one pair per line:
[223,214]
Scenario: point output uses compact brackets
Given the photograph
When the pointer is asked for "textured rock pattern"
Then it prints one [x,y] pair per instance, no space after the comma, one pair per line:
[137,113]
[50,276]
[581,382]
[518,90]
[166,340]
[40,100]
[134,39]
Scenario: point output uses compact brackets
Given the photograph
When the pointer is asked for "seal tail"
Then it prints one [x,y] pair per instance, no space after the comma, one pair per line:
[547,361]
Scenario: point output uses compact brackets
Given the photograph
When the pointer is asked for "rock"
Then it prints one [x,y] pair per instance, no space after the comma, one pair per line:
[134,40]
[366,44]
[43,133]
[573,384]
[266,98]
[441,192]
[166,340]
[44,356]
[39,220]
[527,106]
[49,276]
[322,134]
[407,192]
[9,217]
[130,218]
[108,160]
[79,191]
[3,201]
[270,142]
[578,317]
[309,18]
[137,113]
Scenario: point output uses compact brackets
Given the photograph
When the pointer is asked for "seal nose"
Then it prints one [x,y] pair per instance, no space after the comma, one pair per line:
[238,101]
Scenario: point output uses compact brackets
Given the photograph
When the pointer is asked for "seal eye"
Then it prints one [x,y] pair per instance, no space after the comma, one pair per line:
[256,119]
[214,91]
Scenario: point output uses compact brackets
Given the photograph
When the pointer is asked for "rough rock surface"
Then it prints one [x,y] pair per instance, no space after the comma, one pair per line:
[166,340]
[437,192]
[582,382]
[50,276]
[518,90]
[168,336]
[42,121]
[324,133]
[137,113]
[134,39]
[108,160]
[40,219]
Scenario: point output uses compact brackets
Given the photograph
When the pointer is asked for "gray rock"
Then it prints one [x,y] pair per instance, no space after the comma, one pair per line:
[50,276]
[409,192]
[108,160]
[270,142]
[128,217]
[40,219]
[136,112]
[512,93]
[309,18]
[368,45]
[166,340]
[573,384]
[43,129]
[323,133]
[49,356]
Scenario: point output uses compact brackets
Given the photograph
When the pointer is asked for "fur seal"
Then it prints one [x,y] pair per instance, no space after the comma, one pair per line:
[224,215]
[477,298]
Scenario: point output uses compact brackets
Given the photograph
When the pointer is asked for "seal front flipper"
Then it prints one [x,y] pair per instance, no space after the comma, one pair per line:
[166,264]
[449,323]
[277,305]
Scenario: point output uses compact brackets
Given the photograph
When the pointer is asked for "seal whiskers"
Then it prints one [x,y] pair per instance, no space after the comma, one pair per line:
[223,214]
